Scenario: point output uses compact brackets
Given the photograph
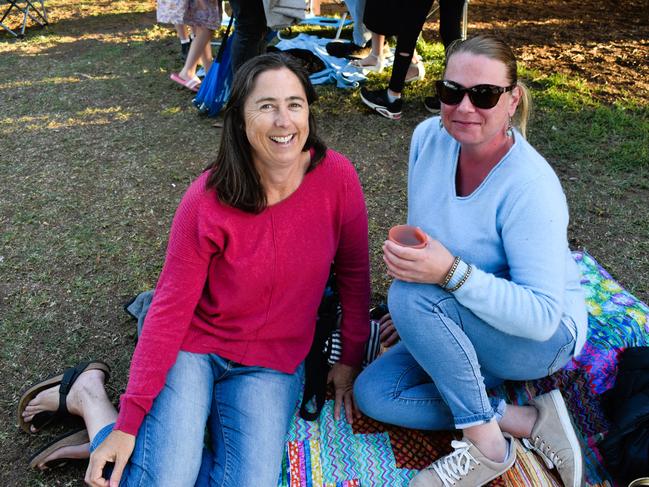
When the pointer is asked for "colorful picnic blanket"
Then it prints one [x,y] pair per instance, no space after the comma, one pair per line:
[329,453]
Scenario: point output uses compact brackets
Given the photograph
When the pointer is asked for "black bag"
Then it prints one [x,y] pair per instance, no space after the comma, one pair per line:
[316,364]
[326,348]
[626,446]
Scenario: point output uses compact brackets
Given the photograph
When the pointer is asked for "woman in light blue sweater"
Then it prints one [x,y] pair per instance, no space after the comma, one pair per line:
[494,295]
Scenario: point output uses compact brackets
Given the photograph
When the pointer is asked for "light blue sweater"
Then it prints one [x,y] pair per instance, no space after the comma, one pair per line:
[512,229]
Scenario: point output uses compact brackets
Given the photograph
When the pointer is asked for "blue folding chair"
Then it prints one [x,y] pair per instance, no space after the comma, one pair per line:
[29,9]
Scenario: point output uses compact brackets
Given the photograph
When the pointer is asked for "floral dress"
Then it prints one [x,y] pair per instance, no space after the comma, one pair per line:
[201,13]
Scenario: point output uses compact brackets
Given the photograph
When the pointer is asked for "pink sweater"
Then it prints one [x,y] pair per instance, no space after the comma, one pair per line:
[247,287]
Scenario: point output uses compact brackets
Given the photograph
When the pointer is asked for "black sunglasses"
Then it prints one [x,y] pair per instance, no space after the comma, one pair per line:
[482,96]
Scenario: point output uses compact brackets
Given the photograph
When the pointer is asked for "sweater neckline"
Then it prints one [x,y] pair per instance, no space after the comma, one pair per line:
[300,189]
[485,181]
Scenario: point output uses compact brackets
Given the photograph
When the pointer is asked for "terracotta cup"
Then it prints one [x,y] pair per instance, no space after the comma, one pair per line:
[408,236]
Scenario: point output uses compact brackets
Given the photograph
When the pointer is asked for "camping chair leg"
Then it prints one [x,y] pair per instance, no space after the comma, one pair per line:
[8,30]
[341,24]
[465,18]
[42,12]
[25,16]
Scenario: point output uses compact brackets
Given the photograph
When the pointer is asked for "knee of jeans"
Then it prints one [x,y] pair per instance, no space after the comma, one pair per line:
[404,296]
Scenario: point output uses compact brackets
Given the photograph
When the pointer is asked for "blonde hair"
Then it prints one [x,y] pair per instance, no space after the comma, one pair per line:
[495,48]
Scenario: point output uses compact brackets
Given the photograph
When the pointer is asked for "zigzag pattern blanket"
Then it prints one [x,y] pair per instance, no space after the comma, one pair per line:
[328,453]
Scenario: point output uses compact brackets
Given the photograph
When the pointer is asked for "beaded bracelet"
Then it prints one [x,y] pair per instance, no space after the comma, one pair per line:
[449,274]
[463,280]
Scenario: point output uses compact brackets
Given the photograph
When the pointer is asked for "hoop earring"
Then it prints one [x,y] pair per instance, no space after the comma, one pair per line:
[510,130]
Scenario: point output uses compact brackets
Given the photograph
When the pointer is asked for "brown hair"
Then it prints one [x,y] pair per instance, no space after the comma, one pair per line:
[495,48]
[233,174]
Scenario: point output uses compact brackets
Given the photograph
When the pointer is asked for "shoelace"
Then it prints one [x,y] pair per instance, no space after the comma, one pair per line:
[550,458]
[454,465]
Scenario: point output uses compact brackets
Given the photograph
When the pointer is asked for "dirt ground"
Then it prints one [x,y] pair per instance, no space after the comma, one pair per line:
[604,42]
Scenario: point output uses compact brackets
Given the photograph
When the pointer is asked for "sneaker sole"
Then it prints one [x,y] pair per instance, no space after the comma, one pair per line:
[566,423]
[381,110]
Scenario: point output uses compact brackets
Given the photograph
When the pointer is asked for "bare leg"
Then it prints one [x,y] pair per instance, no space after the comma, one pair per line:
[181,30]
[200,44]
[206,55]
[378,41]
[87,398]
[519,420]
[489,439]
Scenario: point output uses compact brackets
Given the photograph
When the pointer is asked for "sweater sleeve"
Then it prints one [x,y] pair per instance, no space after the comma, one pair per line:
[351,265]
[179,288]
[534,233]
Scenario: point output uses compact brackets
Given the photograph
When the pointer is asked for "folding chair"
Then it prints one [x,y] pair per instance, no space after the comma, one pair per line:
[28,9]
[314,18]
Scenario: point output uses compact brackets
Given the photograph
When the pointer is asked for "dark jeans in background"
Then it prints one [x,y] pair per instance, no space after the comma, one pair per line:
[249,38]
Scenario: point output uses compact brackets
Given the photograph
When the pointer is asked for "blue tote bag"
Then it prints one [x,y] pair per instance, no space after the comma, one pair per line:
[215,88]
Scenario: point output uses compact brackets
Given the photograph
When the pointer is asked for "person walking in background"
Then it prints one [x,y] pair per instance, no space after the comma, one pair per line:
[204,17]
[404,20]
[250,30]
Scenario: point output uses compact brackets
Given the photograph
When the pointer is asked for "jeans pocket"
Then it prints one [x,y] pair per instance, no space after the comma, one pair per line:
[564,353]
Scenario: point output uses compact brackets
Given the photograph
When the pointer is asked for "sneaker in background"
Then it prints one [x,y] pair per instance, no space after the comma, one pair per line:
[554,438]
[378,101]
[432,104]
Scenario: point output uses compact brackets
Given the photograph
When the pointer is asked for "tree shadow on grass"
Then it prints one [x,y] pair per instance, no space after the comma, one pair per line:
[103,23]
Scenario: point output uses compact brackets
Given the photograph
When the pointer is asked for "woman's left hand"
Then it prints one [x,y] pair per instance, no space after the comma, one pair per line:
[426,266]
[343,377]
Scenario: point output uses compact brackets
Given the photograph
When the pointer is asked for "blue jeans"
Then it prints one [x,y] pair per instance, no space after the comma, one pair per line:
[247,411]
[437,377]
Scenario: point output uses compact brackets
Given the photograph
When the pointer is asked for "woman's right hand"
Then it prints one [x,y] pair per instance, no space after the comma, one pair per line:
[116,448]
[388,334]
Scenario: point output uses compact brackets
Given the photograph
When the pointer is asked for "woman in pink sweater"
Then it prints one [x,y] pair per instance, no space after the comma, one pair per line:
[234,310]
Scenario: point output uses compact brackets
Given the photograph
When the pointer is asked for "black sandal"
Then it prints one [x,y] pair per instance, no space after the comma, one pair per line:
[66,380]
[72,438]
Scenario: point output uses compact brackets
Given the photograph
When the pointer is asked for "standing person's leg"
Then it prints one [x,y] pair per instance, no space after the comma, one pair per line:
[450,29]
[450,20]
[250,30]
[251,412]
[414,18]
[374,60]
[185,40]
[360,33]
[200,49]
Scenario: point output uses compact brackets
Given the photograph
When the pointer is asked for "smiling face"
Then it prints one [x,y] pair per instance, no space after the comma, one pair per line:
[473,126]
[276,115]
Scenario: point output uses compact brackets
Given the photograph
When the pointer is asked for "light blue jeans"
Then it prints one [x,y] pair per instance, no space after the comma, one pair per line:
[247,411]
[437,376]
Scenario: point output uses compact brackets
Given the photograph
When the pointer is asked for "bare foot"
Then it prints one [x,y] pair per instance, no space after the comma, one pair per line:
[91,381]
[76,452]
